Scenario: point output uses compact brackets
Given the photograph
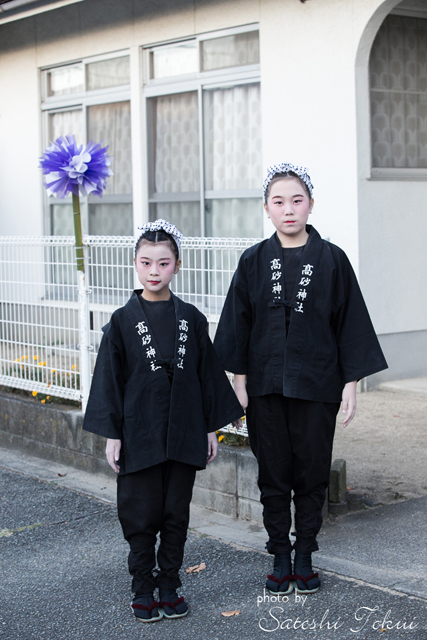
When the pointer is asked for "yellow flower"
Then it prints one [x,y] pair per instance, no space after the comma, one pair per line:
[44,364]
[35,357]
[17,360]
[47,397]
[42,401]
[74,366]
[53,370]
[26,357]
[220,438]
[48,385]
[40,364]
[34,393]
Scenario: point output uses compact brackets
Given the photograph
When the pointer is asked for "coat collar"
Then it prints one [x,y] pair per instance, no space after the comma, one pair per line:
[306,272]
[144,336]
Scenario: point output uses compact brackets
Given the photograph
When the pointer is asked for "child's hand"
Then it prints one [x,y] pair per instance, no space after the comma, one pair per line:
[112,451]
[237,424]
[212,446]
[349,402]
[240,390]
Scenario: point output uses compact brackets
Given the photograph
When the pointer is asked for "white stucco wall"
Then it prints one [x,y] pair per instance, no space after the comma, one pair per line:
[308,58]
[20,184]
[308,95]
[392,224]
[314,85]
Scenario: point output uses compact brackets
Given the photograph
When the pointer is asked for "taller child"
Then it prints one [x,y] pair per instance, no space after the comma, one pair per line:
[296,333]
[158,394]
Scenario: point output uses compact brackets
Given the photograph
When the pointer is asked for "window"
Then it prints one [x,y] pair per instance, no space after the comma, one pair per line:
[398,80]
[204,134]
[91,99]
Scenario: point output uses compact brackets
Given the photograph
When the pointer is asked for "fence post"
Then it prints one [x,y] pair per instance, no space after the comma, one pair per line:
[84,333]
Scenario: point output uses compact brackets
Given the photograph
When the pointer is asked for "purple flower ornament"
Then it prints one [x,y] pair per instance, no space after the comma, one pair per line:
[68,168]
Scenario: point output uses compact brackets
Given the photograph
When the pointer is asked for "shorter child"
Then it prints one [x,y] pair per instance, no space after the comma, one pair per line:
[158,395]
[296,333]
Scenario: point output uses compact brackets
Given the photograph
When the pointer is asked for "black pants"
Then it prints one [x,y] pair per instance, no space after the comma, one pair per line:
[292,441]
[150,501]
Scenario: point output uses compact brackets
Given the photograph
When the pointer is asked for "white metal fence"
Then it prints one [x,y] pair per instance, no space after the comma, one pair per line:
[39,302]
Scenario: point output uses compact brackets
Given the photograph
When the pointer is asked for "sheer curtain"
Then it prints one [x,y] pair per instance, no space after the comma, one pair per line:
[185,215]
[232,161]
[174,60]
[232,131]
[110,123]
[177,160]
[108,73]
[63,123]
[232,128]
[230,51]
[234,218]
[177,143]
[65,80]
[398,72]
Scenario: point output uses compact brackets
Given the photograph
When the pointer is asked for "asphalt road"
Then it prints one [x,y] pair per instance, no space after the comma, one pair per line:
[64,577]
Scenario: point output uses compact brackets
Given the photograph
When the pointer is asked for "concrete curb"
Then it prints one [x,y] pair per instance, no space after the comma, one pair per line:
[228,485]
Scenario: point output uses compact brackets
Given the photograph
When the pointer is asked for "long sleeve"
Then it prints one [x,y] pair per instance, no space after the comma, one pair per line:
[234,329]
[104,413]
[359,352]
[220,404]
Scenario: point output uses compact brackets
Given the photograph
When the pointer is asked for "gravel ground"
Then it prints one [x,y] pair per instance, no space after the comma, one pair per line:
[385,446]
[64,577]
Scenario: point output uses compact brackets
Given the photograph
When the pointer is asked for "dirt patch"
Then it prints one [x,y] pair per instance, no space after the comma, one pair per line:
[385,446]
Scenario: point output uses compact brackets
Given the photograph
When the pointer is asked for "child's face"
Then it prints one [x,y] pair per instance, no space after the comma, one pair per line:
[288,206]
[155,265]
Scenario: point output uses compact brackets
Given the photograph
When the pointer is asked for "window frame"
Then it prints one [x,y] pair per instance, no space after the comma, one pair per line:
[75,101]
[198,82]
[394,173]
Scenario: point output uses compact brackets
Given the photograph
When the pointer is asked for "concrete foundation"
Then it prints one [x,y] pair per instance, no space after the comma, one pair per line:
[52,432]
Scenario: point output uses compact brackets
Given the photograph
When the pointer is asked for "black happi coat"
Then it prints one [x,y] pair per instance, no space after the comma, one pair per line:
[331,340]
[131,398]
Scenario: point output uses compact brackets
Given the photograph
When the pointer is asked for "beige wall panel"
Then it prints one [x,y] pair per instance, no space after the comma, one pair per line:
[20,188]
[222,14]
[161,21]
[170,20]
[58,36]
[105,25]
[82,30]
[393,257]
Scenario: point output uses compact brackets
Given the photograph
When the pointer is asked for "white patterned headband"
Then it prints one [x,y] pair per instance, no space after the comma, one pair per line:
[284,167]
[161,225]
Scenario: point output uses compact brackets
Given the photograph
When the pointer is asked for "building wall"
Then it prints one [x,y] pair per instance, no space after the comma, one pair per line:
[311,55]
[392,232]
[70,33]
[308,100]
[20,185]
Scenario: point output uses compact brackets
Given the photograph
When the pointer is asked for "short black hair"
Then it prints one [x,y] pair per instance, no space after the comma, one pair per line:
[158,236]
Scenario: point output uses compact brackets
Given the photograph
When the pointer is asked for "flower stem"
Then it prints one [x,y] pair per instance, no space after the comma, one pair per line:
[78,234]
